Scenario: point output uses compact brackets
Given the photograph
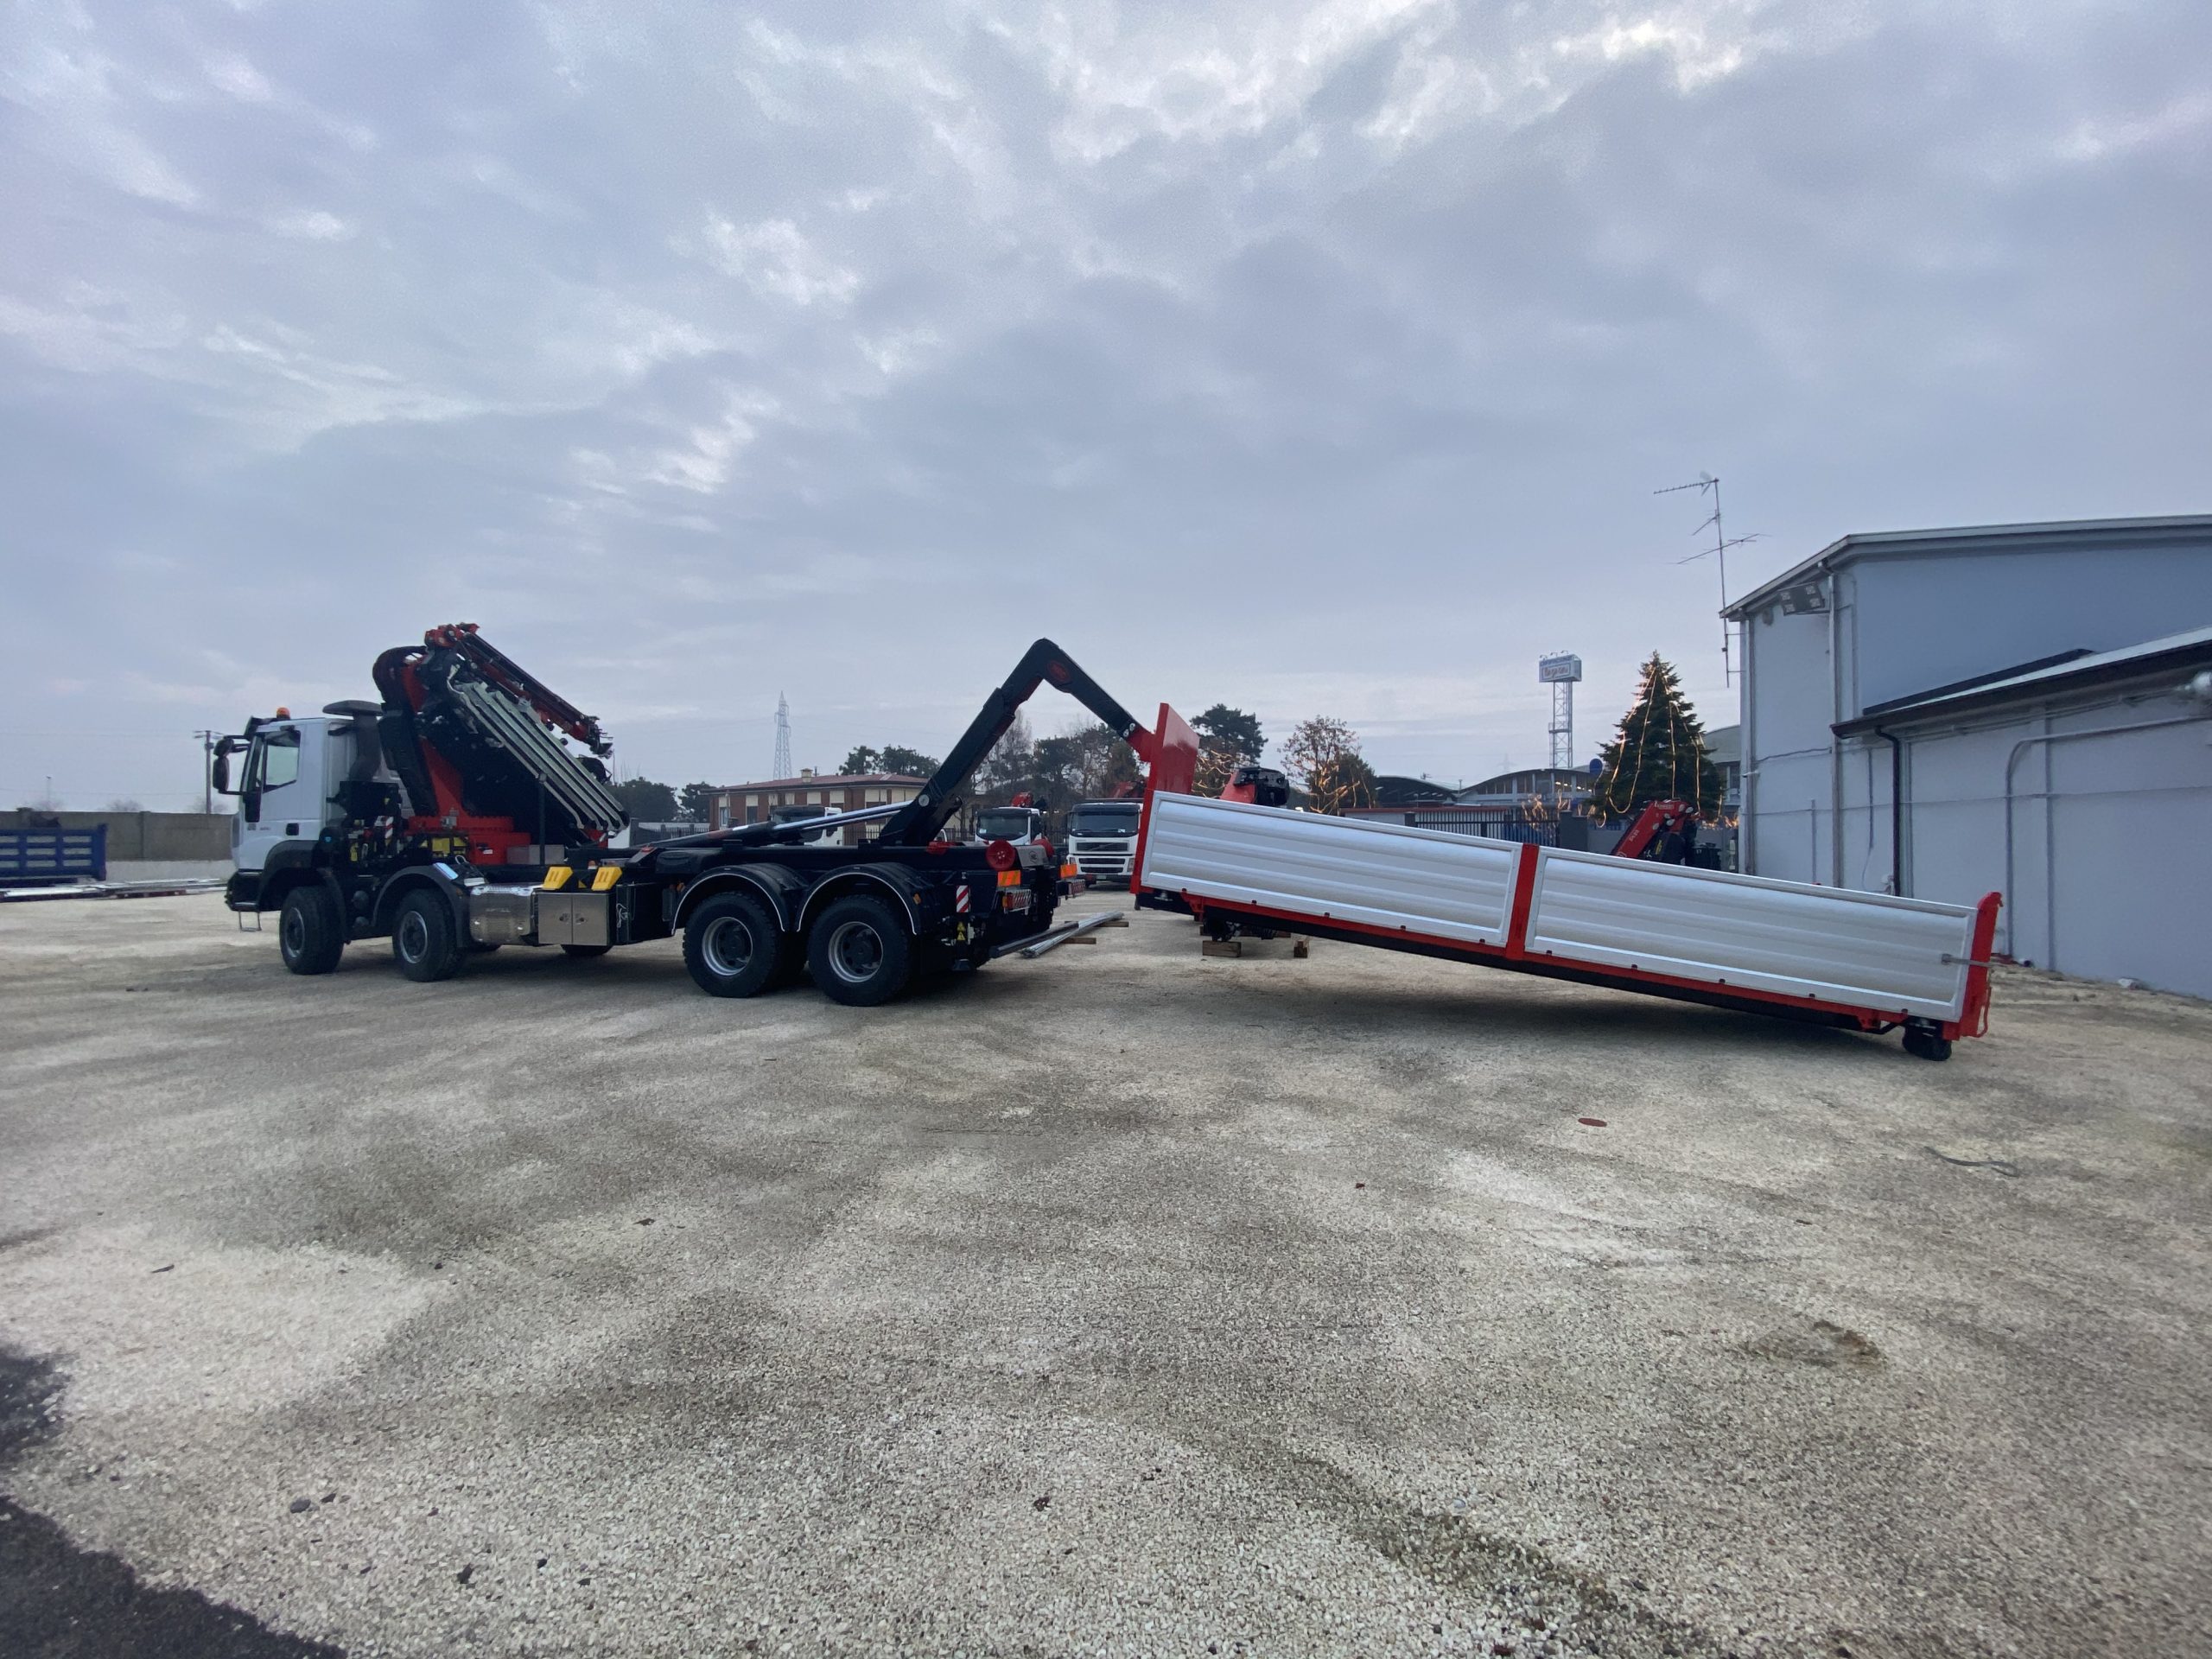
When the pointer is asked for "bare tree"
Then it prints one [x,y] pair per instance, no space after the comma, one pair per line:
[1086,762]
[1324,755]
[1010,767]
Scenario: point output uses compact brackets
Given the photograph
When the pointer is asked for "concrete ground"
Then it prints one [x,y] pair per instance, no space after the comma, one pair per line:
[1124,1301]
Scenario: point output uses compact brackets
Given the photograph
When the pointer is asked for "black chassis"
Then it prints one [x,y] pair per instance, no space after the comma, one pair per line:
[660,887]
[664,885]
[369,869]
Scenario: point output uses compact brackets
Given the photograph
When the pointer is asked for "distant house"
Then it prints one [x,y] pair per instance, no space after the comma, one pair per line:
[780,800]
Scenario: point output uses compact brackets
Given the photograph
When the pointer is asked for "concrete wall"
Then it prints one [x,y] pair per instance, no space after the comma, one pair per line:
[163,838]
[1907,620]
[2106,828]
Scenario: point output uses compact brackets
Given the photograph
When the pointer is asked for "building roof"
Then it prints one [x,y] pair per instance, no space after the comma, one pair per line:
[1723,744]
[1525,780]
[1391,789]
[2074,670]
[1969,538]
[830,780]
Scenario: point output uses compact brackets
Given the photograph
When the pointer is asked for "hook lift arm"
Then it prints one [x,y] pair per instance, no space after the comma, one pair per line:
[918,822]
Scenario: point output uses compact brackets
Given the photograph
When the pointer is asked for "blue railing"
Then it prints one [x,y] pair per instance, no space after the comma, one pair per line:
[31,857]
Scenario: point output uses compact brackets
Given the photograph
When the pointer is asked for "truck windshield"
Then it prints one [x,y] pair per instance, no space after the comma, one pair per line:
[1102,821]
[1010,825]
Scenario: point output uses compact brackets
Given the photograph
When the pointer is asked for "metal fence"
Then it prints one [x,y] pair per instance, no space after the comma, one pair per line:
[34,857]
[1470,821]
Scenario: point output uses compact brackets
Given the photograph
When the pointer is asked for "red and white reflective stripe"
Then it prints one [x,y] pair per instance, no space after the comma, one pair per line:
[959,900]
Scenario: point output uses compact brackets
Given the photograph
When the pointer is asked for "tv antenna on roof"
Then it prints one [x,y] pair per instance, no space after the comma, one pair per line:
[1718,551]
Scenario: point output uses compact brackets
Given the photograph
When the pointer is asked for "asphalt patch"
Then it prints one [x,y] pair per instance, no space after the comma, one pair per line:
[58,1601]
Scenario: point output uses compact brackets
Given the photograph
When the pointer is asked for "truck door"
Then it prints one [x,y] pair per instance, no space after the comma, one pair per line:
[279,799]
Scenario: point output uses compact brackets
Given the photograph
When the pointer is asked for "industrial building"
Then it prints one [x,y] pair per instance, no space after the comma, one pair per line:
[1524,806]
[1556,786]
[1724,747]
[2023,708]
[782,799]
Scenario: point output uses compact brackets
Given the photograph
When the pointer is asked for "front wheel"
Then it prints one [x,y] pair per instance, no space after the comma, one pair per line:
[425,939]
[733,946]
[860,952]
[311,933]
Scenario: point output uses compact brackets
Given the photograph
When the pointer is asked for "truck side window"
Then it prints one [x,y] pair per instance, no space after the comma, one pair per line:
[284,761]
[275,762]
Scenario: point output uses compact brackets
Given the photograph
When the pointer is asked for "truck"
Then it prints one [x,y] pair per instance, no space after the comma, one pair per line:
[1101,840]
[468,808]
[1868,962]
[1020,825]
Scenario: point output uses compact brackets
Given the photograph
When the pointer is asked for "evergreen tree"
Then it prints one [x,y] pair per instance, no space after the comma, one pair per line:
[1658,753]
[912,762]
[645,801]
[1228,737]
[890,758]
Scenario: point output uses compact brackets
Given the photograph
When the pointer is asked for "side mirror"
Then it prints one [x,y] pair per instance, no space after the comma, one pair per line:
[221,775]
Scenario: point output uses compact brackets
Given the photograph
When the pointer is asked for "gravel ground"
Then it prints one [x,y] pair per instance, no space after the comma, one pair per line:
[1121,1302]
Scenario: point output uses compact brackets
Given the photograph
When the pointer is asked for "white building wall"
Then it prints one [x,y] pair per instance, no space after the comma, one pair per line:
[1904,618]
[2106,878]
[1925,622]
[1786,692]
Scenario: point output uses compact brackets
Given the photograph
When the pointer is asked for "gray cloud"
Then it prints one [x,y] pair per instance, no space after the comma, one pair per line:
[1319,357]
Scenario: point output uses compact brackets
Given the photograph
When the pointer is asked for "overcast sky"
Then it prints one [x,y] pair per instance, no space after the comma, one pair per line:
[1316,357]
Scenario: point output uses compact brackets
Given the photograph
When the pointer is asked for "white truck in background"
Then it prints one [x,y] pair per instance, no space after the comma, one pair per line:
[1017,826]
[1101,840]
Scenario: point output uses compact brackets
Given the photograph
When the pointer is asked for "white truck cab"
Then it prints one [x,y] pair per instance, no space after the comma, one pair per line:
[293,777]
[1021,826]
[1102,837]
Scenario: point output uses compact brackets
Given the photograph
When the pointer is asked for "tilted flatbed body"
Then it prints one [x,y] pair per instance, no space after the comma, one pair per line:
[1831,955]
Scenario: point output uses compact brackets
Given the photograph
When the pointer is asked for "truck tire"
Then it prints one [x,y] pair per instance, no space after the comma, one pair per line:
[733,946]
[1928,1042]
[425,942]
[859,952]
[311,930]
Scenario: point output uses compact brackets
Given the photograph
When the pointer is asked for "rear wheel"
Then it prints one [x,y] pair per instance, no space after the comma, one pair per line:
[311,933]
[1928,1042]
[733,946]
[860,952]
[425,940]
